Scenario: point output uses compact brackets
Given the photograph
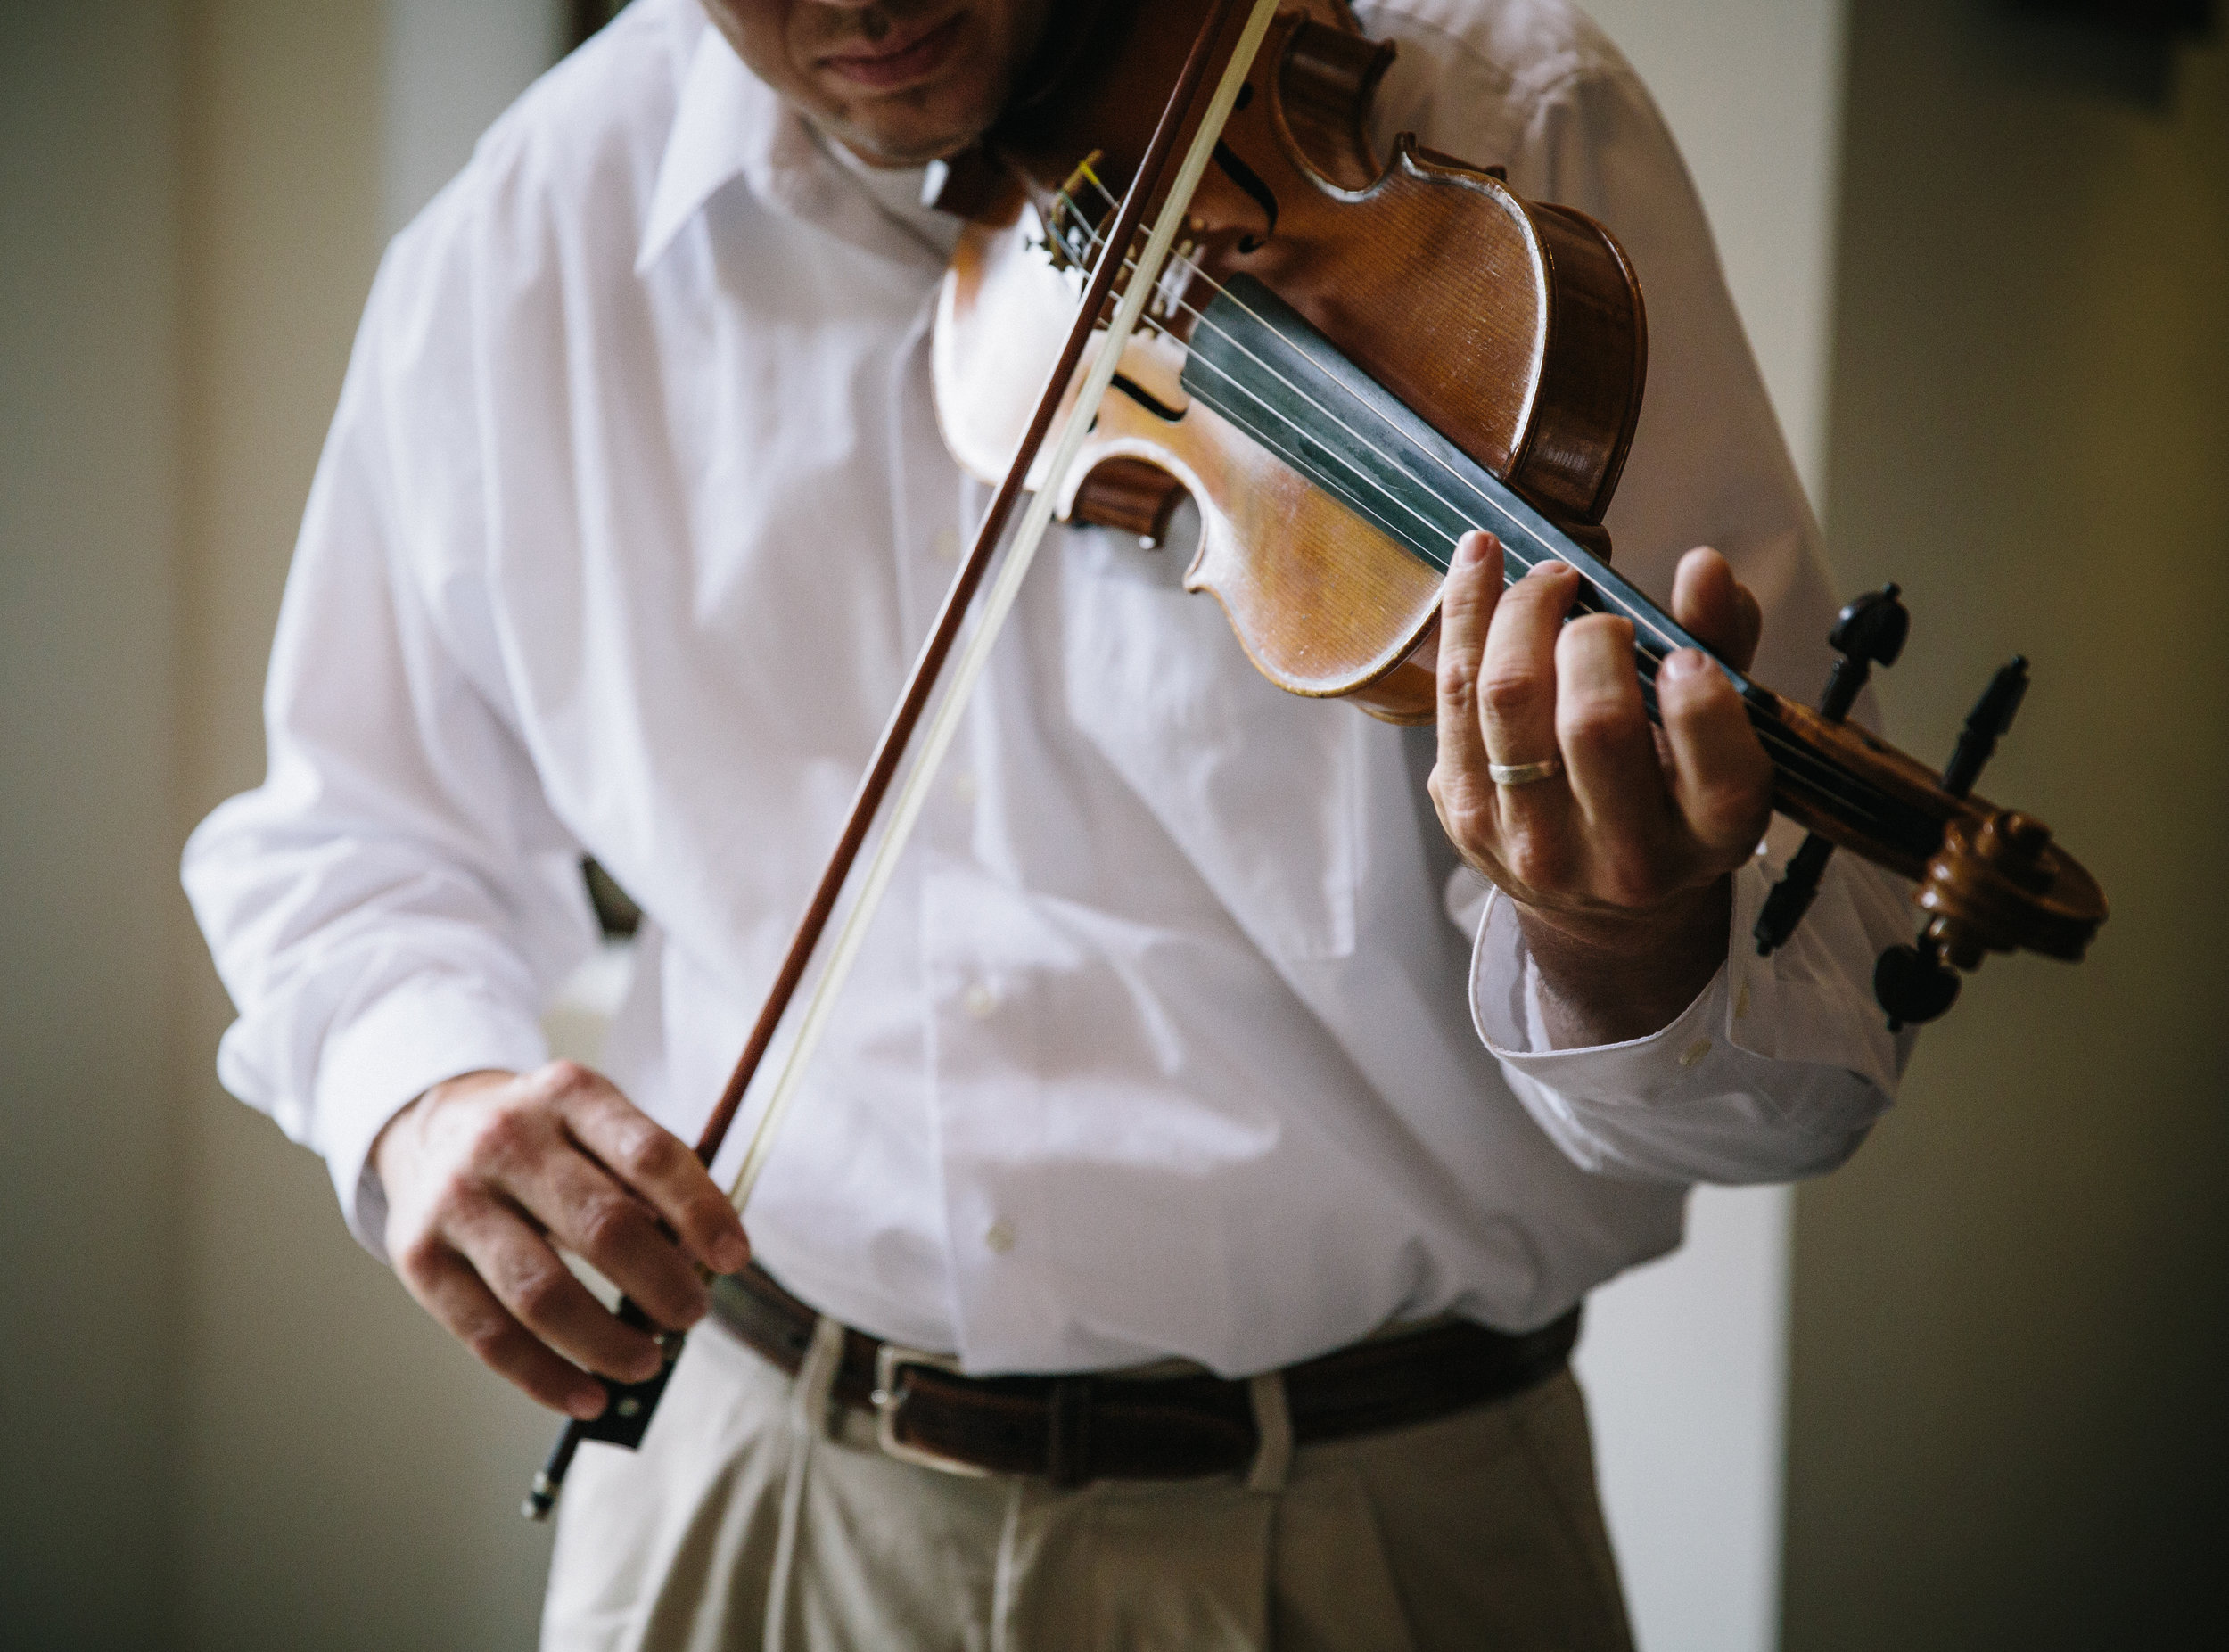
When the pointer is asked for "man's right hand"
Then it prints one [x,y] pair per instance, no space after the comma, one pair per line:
[488,1172]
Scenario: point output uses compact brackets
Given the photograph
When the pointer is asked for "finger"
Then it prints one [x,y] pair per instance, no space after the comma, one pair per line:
[540,1292]
[1715,608]
[1611,759]
[447,1288]
[1467,601]
[654,1163]
[592,1215]
[1721,781]
[1516,682]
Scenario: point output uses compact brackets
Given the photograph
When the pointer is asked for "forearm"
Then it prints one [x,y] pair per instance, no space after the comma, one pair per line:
[1621,976]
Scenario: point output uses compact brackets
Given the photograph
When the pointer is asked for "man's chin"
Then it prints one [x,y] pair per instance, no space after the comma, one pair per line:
[907,143]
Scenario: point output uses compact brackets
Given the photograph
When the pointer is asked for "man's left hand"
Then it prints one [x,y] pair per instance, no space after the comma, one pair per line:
[1621,863]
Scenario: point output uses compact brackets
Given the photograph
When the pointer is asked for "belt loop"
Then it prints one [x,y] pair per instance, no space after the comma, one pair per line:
[815,1382]
[1273,1429]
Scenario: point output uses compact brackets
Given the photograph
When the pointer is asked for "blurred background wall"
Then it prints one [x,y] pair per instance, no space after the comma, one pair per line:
[90,1123]
[2006,1424]
[228,1429]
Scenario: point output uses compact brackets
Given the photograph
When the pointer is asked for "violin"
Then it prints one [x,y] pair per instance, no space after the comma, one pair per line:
[1244,354]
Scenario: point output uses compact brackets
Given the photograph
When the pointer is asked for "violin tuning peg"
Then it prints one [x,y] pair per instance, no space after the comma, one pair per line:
[1792,897]
[1991,717]
[1914,985]
[1870,631]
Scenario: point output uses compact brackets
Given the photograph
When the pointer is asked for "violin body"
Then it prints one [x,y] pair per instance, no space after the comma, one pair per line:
[1540,352]
[1513,333]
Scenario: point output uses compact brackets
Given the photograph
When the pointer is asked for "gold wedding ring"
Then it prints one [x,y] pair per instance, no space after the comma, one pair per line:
[1525,774]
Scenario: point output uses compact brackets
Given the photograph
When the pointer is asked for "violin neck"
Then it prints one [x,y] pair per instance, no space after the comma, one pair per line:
[1262,367]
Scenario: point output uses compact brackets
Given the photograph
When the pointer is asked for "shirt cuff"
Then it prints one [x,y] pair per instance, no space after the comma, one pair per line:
[404,1044]
[1505,988]
[1774,1070]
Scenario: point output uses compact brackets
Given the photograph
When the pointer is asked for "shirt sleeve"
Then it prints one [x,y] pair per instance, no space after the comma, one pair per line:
[1777,1069]
[395,903]
[1781,1066]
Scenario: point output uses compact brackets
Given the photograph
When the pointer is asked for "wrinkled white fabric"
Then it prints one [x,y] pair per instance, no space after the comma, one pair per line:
[633,511]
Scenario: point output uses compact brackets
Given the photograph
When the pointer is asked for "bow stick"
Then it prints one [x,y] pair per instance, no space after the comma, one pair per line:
[626,1415]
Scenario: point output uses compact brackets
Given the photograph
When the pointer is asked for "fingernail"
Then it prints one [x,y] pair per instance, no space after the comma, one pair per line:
[1544,567]
[1681,663]
[1476,547]
[731,1254]
[587,1404]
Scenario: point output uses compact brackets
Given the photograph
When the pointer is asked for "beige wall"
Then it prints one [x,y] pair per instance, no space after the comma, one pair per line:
[89,1196]
[351,1477]
[2007,1413]
[226,1427]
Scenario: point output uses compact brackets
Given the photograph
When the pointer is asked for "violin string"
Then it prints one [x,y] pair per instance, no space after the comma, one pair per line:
[1200,318]
[1641,618]
[1796,758]
[1655,648]
[1644,618]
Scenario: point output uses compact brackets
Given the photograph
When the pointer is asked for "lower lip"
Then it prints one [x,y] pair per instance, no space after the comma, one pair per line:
[916,63]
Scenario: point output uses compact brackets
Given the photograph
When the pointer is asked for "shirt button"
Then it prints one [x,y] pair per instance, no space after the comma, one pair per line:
[979,1001]
[945,546]
[999,1237]
[1694,1052]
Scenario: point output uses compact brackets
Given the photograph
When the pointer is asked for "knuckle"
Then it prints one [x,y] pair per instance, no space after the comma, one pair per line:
[608,1224]
[1467,823]
[1458,679]
[419,1256]
[504,1136]
[1595,722]
[497,1344]
[539,1293]
[652,1155]
[454,1200]
[1509,694]
[1538,859]
[565,1077]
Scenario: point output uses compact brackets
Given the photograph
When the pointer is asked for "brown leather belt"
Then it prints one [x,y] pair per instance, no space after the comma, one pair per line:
[1077,1429]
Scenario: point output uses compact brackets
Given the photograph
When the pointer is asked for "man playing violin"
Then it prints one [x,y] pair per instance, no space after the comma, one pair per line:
[1211,1152]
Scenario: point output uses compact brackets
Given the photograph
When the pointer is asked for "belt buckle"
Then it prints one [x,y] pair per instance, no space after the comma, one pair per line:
[889,1395]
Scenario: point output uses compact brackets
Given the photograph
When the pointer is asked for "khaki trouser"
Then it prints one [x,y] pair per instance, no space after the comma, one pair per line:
[748,1521]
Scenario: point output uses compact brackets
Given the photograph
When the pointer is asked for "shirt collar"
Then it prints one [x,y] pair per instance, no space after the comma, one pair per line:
[728,125]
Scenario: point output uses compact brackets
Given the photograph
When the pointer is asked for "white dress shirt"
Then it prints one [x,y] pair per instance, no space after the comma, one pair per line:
[632,514]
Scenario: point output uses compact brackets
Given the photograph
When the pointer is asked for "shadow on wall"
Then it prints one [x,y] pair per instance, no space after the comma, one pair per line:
[2005,1417]
[2124,50]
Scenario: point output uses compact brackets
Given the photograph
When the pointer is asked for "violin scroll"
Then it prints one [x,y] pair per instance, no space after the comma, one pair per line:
[1996,883]
[1980,893]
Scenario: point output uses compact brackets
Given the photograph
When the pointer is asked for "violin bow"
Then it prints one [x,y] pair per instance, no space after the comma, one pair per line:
[626,1415]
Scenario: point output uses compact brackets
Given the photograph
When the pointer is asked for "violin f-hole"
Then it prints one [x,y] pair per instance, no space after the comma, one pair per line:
[1250,185]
